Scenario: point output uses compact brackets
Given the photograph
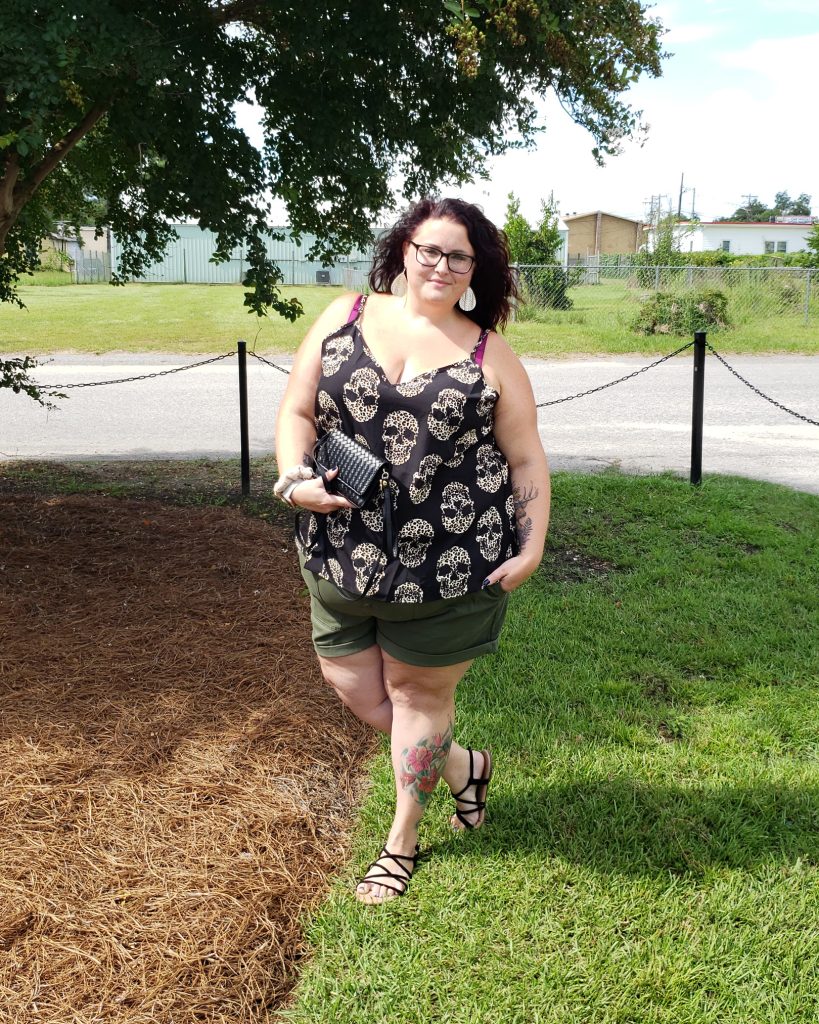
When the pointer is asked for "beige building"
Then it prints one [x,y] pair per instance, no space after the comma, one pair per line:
[66,244]
[593,234]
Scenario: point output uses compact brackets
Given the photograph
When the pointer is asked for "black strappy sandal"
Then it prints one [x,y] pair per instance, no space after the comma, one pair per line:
[402,880]
[481,787]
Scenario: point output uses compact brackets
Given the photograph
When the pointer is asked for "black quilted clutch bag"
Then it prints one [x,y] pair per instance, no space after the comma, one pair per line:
[360,473]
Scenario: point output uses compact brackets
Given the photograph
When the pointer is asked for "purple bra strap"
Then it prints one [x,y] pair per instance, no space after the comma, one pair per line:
[355,310]
[480,348]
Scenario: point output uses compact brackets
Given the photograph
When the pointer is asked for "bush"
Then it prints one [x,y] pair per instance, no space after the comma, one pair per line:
[547,287]
[664,313]
[54,259]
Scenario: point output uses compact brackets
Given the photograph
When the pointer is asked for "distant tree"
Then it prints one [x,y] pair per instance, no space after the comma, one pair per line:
[783,206]
[527,244]
[536,249]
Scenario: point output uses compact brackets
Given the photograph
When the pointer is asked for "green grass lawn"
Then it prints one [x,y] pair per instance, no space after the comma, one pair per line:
[652,849]
[209,319]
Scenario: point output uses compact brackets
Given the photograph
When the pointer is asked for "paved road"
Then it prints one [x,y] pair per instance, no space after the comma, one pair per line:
[642,425]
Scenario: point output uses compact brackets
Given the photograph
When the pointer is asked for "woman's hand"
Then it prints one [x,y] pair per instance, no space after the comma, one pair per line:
[314,496]
[511,573]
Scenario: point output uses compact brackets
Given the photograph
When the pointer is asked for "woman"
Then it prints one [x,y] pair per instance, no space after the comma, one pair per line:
[442,397]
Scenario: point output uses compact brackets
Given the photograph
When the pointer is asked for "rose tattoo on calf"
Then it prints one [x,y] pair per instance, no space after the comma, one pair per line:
[423,764]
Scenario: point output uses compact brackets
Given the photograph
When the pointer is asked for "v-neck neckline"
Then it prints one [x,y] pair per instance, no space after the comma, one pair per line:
[424,373]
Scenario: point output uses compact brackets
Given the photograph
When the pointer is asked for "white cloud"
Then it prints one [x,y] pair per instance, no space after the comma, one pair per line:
[679,35]
[787,64]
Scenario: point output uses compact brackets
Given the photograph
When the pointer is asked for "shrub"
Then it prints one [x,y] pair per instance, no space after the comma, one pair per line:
[547,287]
[665,313]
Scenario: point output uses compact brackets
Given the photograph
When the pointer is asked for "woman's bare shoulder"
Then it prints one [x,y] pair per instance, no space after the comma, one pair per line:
[502,367]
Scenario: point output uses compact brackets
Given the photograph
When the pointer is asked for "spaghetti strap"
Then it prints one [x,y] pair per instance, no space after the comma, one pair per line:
[480,348]
[355,312]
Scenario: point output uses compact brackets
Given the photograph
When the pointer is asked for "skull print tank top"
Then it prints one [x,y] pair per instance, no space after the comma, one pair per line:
[452,495]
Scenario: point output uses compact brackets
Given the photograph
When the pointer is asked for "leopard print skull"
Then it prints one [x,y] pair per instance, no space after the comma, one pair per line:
[446,414]
[338,524]
[411,388]
[400,434]
[409,593]
[486,403]
[422,479]
[336,350]
[328,417]
[361,394]
[414,539]
[457,508]
[364,558]
[373,517]
[492,468]
[466,372]
[336,572]
[463,442]
[452,572]
[490,534]
[510,513]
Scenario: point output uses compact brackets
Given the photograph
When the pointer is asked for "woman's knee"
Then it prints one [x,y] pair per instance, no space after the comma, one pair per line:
[356,678]
[419,688]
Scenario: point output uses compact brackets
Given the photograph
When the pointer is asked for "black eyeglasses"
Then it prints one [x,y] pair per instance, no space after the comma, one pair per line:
[429,256]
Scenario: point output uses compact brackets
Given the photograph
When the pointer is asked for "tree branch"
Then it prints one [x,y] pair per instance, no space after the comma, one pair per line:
[7,183]
[236,10]
[58,152]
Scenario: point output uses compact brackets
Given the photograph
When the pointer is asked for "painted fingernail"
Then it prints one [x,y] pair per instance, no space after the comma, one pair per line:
[485,583]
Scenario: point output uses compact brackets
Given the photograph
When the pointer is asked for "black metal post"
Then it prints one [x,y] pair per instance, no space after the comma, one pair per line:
[699,393]
[243,418]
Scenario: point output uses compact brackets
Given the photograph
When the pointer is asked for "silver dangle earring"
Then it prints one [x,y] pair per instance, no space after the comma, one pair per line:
[467,301]
[399,285]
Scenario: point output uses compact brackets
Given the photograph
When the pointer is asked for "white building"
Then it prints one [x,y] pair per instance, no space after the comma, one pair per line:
[743,238]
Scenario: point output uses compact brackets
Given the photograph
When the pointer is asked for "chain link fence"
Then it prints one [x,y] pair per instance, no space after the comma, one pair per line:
[675,300]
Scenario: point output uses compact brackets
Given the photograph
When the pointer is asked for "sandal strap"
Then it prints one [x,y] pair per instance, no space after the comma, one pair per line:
[471,781]
[403,880]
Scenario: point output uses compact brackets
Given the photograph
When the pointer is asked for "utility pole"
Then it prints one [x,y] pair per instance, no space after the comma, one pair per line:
[679,201]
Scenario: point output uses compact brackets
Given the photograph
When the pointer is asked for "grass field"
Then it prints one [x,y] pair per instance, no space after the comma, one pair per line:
[208,319]
[651,854]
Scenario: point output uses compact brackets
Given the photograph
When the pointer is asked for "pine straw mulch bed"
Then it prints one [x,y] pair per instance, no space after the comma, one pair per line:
[176,782]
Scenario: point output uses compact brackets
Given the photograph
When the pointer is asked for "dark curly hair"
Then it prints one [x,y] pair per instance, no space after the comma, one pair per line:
[492,279]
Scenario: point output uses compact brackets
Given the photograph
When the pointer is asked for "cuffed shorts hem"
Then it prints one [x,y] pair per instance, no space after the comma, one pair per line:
[444,632]
[426,660]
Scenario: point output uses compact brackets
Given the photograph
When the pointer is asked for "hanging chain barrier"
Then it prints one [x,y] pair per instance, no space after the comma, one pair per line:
[756,390]
[275,366]
[611,383]
[540,405]
[144,376]
[699,343]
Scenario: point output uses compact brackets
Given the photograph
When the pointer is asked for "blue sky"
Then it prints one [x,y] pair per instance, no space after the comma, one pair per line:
[735,111]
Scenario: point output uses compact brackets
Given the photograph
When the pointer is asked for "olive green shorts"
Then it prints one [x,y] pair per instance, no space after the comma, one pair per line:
[431,633]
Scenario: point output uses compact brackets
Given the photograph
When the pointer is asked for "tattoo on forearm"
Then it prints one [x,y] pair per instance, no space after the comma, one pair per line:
[423,764]
[521,497]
